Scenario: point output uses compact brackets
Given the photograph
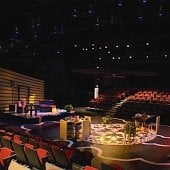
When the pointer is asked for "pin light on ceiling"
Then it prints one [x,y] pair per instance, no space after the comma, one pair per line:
[75,14]
[147,43]
[90,10]
[119,3]
[144,1]
[16,36]
[160,11]
[97,22]
[140,15]
[165,55]
[112,19]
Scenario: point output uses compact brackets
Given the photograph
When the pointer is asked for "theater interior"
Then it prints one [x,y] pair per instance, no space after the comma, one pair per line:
[85,85]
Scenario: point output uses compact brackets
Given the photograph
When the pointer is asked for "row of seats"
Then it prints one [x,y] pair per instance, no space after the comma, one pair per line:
[34,152]
[151,96]
[106,100]
[130,108]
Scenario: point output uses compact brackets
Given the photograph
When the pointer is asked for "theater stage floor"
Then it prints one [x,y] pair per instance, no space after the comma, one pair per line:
[27,118]
[150,155]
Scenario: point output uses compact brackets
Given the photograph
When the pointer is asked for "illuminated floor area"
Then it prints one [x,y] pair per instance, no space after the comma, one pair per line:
[147,155]
[112,134]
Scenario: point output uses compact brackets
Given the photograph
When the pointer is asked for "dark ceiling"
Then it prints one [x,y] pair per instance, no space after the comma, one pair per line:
[107,35]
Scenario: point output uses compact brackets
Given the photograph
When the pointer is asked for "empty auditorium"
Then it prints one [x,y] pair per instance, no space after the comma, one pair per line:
[85,85]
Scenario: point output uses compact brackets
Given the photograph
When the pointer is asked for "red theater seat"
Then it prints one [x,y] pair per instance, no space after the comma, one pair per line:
[36,157]
[6,141]
[19,151]
[6,156]
[89,168]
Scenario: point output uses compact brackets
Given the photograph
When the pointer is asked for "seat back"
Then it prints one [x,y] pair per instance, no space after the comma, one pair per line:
[35,156]
[33,142]
[32,157]
[2,132]
[6,156]
[6,142]
[19,151]
[17,137]
[61,158]
[24,139]
[46,146]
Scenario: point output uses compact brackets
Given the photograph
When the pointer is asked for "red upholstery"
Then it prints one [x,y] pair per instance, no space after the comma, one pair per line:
[17,141]
[29,146]
[2,131]
[89,168]
[41,153]
[55,147]
[4,153]
[17,137]
[69,152]
[7,137]
[118,167]
[9,133]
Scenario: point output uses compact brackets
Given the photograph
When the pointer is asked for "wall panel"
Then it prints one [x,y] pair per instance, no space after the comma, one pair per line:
[15,86]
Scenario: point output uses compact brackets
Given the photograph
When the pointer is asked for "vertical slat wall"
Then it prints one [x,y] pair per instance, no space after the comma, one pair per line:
[14,86]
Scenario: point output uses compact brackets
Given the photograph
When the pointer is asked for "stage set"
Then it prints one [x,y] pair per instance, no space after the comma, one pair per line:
[107,142]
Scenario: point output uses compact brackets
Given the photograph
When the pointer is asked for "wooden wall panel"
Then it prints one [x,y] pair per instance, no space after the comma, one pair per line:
[14,86]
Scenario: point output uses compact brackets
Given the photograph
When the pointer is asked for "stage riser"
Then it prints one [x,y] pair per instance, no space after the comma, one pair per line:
[26,119]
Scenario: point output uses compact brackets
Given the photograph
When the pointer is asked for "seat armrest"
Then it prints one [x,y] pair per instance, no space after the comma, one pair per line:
[45,159]
[7,161]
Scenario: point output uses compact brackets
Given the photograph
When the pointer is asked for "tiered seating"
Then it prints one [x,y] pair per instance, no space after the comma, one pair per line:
[61,157]
[36,157]
[144,102]
[108,99]
[34,151]
[151,96]
[18,148]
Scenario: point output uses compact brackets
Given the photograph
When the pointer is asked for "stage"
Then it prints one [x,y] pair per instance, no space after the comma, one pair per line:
[34,118]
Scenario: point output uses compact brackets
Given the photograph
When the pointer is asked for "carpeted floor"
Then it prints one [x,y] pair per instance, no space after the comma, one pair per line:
[150,155]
